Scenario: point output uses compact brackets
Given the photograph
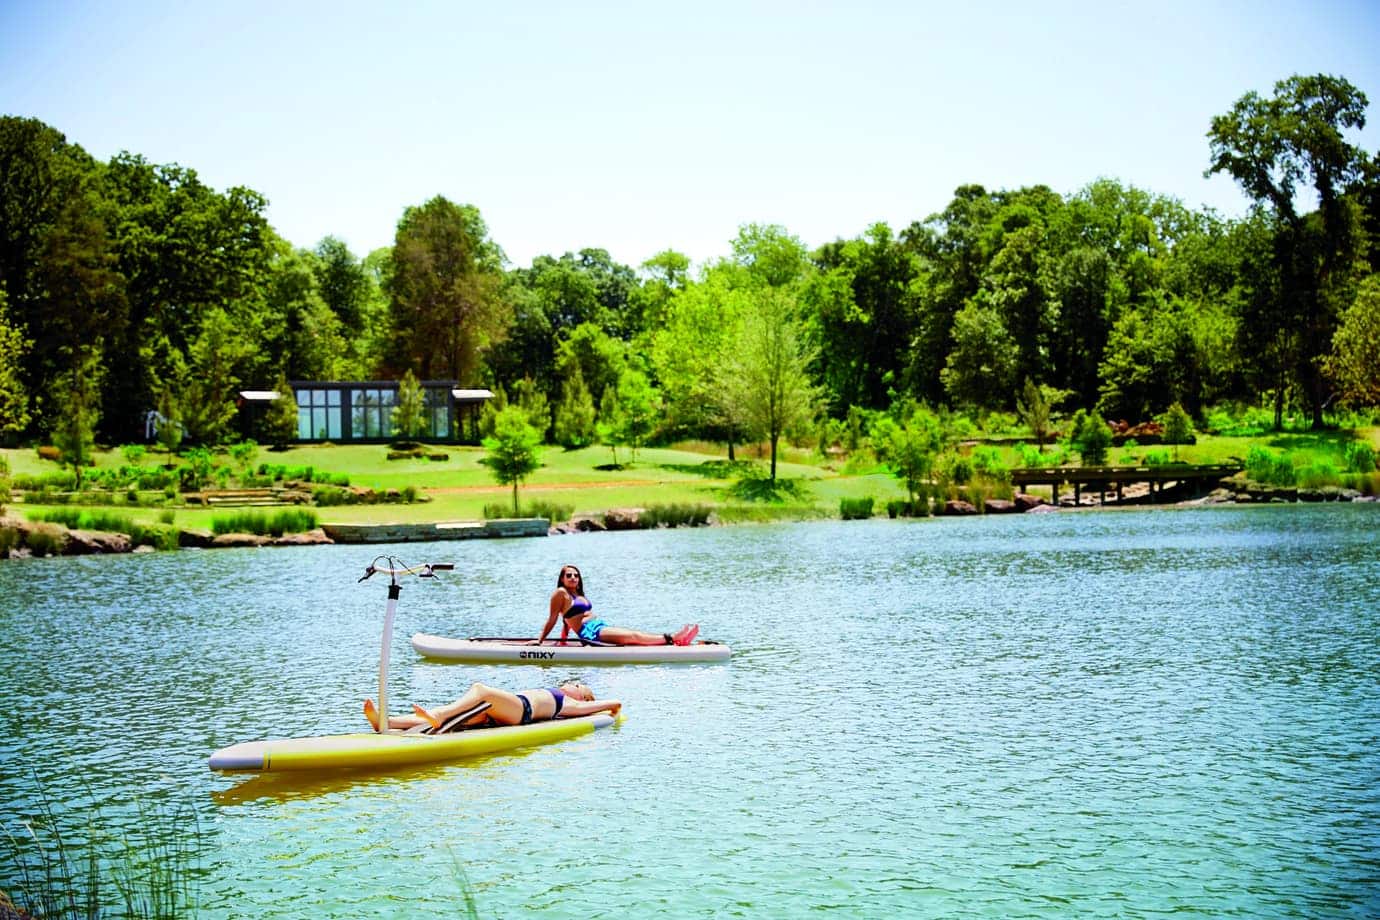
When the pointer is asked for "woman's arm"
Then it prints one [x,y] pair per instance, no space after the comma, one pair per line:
[574,708]
[560,601]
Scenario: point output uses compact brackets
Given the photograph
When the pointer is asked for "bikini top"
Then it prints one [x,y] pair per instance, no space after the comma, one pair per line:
[559,697]
[578,608]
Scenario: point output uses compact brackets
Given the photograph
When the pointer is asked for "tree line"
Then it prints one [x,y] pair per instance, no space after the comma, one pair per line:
[127,286]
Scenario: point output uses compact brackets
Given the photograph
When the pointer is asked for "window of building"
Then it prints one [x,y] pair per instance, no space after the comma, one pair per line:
[318,414]
[371,413]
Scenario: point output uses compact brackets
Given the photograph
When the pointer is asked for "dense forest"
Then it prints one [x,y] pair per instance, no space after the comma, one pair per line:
[127,286]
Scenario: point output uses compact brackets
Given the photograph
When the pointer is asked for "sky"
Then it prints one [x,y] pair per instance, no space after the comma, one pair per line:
[638,127]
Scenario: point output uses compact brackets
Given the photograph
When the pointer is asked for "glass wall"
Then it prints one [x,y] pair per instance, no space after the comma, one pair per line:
[436,412]
[318,415]
[371,412]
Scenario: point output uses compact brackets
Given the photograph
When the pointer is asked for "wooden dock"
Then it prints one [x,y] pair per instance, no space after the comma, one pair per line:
[1103,479]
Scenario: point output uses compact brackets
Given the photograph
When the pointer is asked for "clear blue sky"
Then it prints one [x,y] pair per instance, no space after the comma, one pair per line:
[639,126]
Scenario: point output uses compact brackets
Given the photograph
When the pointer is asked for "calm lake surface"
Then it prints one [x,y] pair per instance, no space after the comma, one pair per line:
[1091,714]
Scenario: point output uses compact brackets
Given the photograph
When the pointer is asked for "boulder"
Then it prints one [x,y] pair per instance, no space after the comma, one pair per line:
[193,537]
[90,542]
[1026,502]
[587,524]
[225,540]
[998,506]
[954,506]
[623,518]
[315,537]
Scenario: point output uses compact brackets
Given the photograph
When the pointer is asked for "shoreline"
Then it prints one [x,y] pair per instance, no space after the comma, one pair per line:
[59,540]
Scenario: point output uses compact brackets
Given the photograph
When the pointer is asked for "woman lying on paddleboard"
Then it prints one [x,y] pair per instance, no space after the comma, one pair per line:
[568,700]
[568,602]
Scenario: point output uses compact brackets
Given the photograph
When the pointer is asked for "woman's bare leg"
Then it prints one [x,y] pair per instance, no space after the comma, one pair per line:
[504,707]
[620,636]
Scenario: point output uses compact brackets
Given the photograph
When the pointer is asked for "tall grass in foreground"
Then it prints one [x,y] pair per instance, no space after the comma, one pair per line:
[98,869]
[289,520]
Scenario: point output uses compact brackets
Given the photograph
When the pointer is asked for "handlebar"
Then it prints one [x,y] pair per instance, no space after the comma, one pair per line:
[394,567]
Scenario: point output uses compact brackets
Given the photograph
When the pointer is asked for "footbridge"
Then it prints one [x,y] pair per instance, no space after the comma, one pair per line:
[1104,479]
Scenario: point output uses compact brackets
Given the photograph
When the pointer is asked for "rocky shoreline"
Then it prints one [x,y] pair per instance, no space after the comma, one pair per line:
[57,540]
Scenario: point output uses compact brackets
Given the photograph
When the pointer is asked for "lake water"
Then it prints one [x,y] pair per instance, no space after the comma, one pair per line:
[1095,714]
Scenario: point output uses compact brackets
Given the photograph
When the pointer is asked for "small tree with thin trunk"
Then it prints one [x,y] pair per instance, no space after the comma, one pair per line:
[79,391]
[514,449]
[408,413]
[1178,427]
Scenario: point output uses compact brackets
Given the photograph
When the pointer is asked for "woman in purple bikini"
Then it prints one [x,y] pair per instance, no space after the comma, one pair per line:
[568,602]
[568,700]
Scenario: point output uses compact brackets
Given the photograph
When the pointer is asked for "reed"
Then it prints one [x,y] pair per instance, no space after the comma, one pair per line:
[89,867]
[289,520]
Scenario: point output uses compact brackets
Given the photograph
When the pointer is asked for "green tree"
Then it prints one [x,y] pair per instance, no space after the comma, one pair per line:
[14,399]
[408,412]
[79,390]
[1036,409]
[765,376]
[1271,147]
[575,426]
[514,449]
[445,283]
[1178,427]
[170,429]
[280,420]
[686,354]
[909,449]
[1354,364]
[1091,437]
[212,384]
[632,413]
[981,369]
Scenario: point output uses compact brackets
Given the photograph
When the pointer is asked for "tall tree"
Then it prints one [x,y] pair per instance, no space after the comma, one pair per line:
[445,285]
[74,433]
[1354,364]
[765,375]
[14,399]
[1271,147]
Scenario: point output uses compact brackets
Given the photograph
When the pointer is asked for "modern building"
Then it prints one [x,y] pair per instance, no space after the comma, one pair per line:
[362,411]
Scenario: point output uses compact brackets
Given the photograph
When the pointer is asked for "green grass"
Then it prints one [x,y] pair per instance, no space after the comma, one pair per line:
[688,474]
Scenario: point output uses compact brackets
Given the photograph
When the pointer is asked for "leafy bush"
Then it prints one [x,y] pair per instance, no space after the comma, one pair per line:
[1238,420]
[855,509]
[1360,457]
[676,515]
[904,508]
[290,520]
[1264,466]
[9,540]
[166,516]
[1157,458]
[326,496]
[1318,474]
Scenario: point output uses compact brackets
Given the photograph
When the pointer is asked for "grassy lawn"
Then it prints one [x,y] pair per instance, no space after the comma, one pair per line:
[586,482]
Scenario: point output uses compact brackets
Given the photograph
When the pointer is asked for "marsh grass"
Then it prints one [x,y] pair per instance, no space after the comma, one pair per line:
[89,866]
[554,512]
[289,520]
[855,509]
[676,515]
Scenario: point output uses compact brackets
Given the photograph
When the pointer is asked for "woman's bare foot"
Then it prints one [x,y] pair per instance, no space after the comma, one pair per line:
[371,713]
[435,722]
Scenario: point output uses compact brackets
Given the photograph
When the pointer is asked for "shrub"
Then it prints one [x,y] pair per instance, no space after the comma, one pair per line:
[409,494]
[166,516]
[1264,466]
[1360,457]
[9,540]
[904,508]
[855,509]
[1157,458]
[67,517]
[1318,474]
[326,496]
